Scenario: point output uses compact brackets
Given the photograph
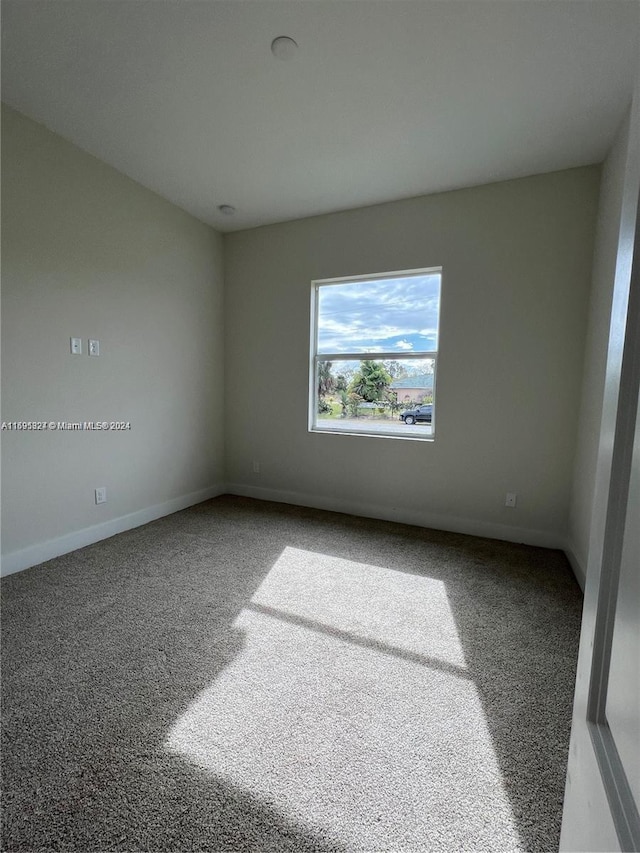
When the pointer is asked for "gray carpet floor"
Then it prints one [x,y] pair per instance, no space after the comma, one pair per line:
[249,676]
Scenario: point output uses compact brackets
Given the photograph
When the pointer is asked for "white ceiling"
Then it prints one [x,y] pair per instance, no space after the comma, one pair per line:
[386,99]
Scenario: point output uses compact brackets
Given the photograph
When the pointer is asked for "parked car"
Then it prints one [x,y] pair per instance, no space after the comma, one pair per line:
[419,415]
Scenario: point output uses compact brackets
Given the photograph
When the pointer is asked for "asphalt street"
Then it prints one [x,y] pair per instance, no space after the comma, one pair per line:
[396,427]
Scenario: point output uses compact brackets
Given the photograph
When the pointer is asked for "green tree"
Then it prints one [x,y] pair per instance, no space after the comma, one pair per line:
[352,402]
[396,369]
[326,382]
[371,382]
[394,404]
[341,382]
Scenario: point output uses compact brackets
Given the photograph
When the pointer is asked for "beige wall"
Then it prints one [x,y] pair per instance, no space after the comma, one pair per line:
[604,266]
[89,253]
[516,260]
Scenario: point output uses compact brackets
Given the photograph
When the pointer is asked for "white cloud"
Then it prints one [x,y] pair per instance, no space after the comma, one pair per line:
[378,315]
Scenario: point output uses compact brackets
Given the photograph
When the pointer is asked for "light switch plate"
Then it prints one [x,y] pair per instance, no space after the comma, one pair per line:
[76,346]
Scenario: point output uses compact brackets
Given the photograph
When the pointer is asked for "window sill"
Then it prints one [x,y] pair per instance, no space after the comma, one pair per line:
[418,433]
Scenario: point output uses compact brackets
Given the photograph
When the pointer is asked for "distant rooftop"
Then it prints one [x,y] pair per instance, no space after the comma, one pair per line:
[423,380]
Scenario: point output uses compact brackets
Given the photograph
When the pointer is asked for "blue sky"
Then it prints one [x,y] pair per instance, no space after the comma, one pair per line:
[396,315]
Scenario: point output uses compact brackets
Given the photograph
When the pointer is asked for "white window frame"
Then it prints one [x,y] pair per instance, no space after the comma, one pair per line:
[315,358]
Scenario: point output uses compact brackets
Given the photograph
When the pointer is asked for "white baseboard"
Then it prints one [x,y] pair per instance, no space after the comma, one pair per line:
[453,524]
[36,554]
[578,569]
[16,561]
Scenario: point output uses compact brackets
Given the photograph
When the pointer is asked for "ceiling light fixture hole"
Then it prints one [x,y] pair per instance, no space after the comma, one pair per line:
[284,47]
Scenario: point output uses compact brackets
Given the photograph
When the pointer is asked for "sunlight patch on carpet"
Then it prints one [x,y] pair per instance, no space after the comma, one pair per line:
[350,710]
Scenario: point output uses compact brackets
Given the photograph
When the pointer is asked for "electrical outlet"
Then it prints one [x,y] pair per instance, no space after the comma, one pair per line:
[511,499]
[101,495]
[94,347]
[256,467]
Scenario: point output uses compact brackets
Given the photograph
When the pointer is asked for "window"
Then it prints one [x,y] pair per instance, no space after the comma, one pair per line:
[374,350]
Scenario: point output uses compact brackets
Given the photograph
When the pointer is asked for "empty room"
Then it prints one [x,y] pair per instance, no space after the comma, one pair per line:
[320,427]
